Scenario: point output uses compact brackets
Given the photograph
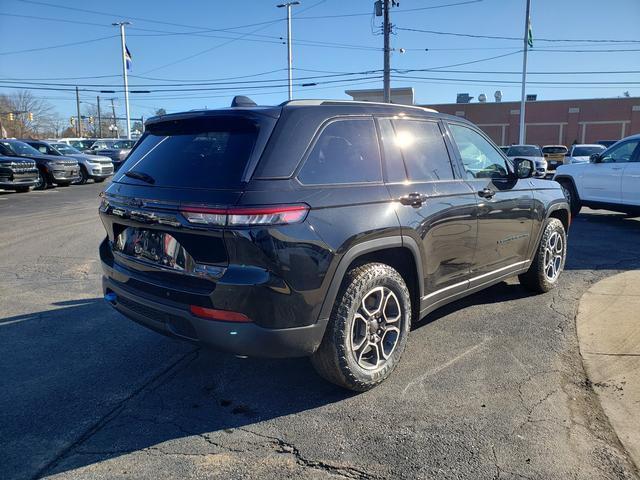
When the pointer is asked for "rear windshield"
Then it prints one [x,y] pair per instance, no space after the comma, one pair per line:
[524,151]
[554,149]
[193,153]
[586,151]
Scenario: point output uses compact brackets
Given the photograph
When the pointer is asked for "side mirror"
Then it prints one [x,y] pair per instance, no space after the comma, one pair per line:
[595,158]
[524,168]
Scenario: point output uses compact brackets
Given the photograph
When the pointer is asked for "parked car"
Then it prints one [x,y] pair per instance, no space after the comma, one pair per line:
[93,167]
[581,153]
[52,169]
[19,174]
[606,143]
[609,180]
[77,143]
[283,231]
[531,152]
[116,150]
[554,155]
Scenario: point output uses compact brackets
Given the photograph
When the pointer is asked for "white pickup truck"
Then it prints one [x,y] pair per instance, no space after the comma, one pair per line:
[610,180]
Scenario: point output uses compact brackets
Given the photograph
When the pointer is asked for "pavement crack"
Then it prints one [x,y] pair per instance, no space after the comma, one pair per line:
[109,416]
[282,446]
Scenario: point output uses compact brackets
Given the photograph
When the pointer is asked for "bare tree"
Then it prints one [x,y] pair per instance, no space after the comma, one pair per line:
[32,116]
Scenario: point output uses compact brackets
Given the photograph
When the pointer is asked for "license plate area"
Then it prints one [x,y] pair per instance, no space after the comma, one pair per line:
[154,247]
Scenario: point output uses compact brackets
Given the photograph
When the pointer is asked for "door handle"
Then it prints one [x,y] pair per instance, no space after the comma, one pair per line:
[616,168]
[413,199]
[486,193]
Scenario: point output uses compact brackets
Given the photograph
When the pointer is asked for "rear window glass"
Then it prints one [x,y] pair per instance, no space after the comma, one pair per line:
[586,151]
[194,153]
[346,152]
[554,150]
[524,151]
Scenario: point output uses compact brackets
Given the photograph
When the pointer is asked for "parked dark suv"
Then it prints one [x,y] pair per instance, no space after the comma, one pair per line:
[320,228]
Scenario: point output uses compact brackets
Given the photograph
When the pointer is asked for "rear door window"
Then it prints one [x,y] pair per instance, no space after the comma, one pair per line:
[346,152]
[423,149]
[193,153]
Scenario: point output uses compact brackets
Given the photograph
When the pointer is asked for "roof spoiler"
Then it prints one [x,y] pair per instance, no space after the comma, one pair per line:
[242,101]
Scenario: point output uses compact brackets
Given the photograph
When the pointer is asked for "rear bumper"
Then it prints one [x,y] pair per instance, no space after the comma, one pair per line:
[237,338]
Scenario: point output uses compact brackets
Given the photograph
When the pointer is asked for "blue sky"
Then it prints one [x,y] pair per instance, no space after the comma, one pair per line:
[163,35]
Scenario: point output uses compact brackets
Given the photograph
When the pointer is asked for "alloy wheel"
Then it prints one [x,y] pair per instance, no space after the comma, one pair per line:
[554,256]
[375,330]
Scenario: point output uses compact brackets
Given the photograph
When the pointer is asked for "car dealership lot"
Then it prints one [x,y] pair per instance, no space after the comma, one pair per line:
[489,386]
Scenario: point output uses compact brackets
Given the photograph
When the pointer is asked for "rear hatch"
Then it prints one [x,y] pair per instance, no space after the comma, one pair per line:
[195,161]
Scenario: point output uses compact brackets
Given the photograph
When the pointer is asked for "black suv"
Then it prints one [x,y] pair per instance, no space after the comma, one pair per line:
[19,174]
[320,228]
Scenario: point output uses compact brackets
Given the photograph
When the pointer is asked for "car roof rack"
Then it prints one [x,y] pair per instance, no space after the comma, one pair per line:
[355,103]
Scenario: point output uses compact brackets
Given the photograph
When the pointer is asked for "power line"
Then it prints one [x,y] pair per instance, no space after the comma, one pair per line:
[363,14]
[498,37]
[62,45]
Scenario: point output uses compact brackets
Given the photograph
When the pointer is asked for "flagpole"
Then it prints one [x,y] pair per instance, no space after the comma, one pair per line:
[124,74]
[523,97]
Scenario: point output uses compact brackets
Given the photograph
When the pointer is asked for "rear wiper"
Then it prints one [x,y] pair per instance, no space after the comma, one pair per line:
[145,177]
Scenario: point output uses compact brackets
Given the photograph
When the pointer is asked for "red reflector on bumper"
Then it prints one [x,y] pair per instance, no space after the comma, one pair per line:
[213,314]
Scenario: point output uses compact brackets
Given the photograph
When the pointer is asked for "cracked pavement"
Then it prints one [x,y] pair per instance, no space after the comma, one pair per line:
[491,386]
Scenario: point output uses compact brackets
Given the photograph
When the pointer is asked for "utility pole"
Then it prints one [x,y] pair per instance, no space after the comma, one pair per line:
[99,119]
[386,28]
[288,5]
[79,122]
[124,74]
[113,110]
[523,97]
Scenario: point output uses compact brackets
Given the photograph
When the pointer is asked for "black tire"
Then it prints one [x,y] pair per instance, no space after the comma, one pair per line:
[43,181]
[572,197]
[99,180]
[548,263]
[84,176]
[22,189]
[335,360]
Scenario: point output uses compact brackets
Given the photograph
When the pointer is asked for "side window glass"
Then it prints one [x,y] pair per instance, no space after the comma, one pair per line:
[480,158]
[392,154]
[621,153]
[346,152]
[423,149]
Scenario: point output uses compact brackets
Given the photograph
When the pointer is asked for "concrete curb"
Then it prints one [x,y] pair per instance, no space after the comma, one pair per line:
[608,326]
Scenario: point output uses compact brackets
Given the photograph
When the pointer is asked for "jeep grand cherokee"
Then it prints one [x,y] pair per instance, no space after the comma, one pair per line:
[320,228]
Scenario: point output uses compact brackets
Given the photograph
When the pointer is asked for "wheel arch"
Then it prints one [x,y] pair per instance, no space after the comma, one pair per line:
[399,252]
[568,179]
[562,213]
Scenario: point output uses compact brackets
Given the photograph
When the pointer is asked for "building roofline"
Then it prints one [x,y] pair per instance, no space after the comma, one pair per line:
[517,102]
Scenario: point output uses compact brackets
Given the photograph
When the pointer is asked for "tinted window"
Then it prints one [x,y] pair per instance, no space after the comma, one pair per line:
[586,151]
[346,152]
[554,150]
[15,147]
[524,151]
[423,149]
[195,153]
[620,153]
[392,155]
[480,158]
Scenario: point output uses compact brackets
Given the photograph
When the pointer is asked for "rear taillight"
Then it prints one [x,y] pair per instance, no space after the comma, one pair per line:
[246,216]
[222,315]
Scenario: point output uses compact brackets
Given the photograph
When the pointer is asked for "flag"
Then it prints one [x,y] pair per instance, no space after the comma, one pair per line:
[127,57]
[529,34]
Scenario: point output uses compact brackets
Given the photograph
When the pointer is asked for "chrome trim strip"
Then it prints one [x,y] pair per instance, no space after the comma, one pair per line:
[468,282]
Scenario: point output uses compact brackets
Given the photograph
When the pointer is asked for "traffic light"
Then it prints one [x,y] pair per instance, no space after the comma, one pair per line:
[12,117]
[72,121]
[91,120]
[30,116]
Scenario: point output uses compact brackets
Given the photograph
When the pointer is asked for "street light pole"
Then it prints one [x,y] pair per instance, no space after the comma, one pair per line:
[288,5]
[523,96]
[79,124]
[386,80]
[99,119]
[124,74]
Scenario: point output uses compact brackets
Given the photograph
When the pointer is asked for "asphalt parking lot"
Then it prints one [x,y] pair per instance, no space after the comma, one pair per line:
[489,387]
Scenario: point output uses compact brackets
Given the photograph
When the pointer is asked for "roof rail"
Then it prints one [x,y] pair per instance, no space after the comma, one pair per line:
[353,102]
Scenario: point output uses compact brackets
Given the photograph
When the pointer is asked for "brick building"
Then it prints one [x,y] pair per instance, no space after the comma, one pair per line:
[551,122]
